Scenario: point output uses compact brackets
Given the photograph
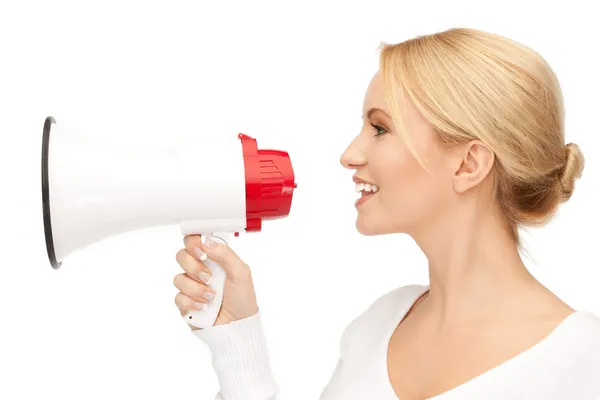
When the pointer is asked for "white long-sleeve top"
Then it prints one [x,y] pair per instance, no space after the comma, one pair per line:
[564,365]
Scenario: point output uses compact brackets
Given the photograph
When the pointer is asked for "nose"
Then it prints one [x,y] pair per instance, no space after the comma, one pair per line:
[354,155]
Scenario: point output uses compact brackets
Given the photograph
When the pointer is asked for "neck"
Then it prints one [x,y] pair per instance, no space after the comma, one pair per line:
[475,269]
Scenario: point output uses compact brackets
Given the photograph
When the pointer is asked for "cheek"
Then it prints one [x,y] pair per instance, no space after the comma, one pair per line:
[410,193]
[406,183]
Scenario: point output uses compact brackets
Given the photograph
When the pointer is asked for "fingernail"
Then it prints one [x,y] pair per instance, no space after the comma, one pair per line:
[205,277]
[209,243]
[200,306]
[199,254]
[210,296]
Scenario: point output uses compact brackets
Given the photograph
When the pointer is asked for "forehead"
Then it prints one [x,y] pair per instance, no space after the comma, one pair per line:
[375,95]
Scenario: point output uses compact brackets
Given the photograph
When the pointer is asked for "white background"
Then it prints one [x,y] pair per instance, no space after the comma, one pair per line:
[291,74]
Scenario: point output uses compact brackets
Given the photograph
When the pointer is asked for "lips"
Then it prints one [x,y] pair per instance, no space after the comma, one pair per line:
[366,189]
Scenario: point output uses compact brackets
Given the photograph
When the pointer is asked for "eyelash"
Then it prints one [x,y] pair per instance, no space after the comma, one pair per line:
[377,127]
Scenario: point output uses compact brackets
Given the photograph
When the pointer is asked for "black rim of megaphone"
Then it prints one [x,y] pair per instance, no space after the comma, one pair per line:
[46,194]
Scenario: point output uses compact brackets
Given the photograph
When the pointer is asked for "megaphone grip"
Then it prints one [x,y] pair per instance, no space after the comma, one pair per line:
[207,317]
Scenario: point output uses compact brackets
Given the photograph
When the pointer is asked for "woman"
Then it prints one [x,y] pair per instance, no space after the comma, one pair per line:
[462,143]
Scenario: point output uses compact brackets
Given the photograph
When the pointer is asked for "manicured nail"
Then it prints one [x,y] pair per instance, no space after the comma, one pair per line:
[200,306]
[205,277]
[199,254]
[210,296]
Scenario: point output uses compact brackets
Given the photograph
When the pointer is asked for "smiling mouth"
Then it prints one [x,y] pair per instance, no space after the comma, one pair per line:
[367,190]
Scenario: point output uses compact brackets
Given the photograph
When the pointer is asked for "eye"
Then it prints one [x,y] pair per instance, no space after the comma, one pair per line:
[379,129]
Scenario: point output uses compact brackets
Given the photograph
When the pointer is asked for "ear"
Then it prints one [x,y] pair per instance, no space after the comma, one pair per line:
[474,162]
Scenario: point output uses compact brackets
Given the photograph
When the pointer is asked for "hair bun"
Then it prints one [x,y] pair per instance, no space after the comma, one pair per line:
[571,171]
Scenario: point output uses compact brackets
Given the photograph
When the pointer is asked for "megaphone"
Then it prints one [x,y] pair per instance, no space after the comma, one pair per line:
[213,187]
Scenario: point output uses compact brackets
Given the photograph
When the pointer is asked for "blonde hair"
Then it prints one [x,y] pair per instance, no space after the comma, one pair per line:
[471,84]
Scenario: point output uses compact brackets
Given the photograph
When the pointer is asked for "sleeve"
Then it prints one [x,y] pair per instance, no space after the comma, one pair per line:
[240,359]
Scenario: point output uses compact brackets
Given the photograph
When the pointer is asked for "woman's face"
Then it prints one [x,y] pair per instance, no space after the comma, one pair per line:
[405,196]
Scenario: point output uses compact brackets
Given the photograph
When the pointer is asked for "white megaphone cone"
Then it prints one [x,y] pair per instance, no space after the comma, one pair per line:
[216,188]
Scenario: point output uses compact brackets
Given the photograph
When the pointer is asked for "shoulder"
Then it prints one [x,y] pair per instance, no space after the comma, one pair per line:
[573,347]
[585,331]
[382,312]
[394,301]
[576,352]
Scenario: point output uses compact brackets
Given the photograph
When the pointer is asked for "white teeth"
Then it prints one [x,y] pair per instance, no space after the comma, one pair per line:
[367,187]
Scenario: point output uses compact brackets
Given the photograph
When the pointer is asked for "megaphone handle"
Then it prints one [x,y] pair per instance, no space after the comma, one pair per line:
[207,317]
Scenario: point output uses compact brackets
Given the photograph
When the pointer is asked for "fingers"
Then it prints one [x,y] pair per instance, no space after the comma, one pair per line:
[195,294]
[193,268]
[221,253]
[194,244]
[185,303]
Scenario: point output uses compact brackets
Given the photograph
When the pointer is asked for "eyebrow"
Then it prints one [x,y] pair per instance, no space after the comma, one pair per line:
[374,110]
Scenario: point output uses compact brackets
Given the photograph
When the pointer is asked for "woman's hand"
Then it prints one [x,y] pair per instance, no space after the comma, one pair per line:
[239,298]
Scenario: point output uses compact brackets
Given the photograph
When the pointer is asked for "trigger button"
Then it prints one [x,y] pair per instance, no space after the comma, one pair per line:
[218,239]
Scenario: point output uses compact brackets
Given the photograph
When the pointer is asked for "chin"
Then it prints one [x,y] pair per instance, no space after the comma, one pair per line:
[366,227]
[371,226]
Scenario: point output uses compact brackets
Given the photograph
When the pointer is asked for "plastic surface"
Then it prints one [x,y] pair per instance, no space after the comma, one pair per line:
[207,317]
[269,183]
[216,187]
[98,189]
